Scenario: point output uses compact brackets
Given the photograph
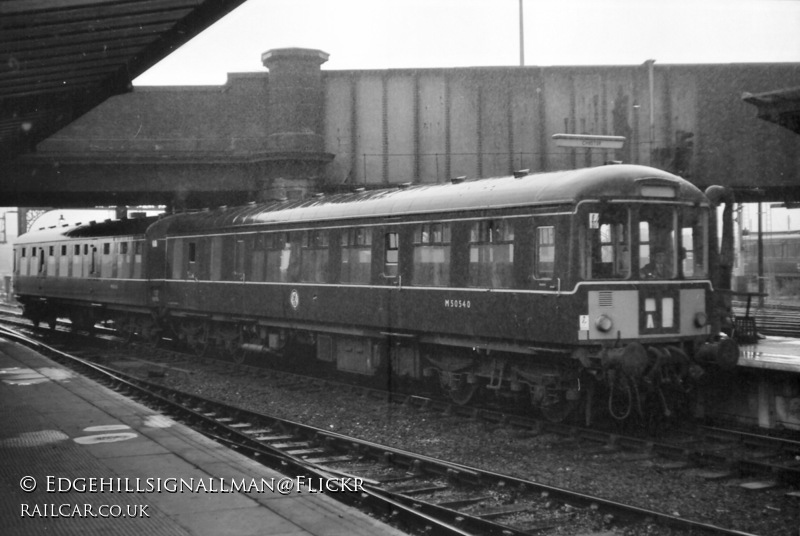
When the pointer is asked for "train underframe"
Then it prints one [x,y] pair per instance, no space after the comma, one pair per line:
[627,381]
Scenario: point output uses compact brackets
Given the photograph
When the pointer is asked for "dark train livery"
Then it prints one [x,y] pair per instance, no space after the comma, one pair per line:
[541,286]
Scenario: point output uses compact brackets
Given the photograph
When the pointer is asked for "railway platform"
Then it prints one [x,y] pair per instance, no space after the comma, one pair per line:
[775,353]
[78,458]
[762,390]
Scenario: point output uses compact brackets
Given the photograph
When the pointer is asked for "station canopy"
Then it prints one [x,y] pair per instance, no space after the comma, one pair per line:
[781,107]
[61,58]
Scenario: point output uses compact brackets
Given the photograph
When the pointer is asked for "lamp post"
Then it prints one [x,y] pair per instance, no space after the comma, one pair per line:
[521,37]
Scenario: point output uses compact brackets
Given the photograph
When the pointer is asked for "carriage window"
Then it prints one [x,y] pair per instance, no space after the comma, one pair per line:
[52,250]
[314,257]
[64,249]
[123,248]
[279,255]
[192,251]
[258,258]
[106,248]
[657,242]
[605,243]
[432,254]
[356,256]
[391,255]
[545,252]
[76,249]
[491,254]
[694,237]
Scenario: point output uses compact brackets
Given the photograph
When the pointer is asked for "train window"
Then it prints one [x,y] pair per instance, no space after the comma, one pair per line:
[432,254]
[23,251]
[491,254]
[279,255]
[64,249]
[106,248]
[239,253]
[86,249]
[545,252]
[137,260]
[123,248]
[314,257]
[391,256]
[356,256]
[257,258]
[694,237]
[51,261]
[192,252]
[77,263]
[657,242]
[605,243]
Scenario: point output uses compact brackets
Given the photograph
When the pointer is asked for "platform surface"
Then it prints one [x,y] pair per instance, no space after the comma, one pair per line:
[775,353]
[63,430]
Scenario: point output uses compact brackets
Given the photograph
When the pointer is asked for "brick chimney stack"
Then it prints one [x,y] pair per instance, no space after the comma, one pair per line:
[296,110]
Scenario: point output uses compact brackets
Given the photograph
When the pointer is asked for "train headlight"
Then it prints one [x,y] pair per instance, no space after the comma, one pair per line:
[700,320]
[604,323]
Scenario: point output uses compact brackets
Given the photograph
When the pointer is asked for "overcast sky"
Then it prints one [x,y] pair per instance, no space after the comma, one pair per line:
[384,34]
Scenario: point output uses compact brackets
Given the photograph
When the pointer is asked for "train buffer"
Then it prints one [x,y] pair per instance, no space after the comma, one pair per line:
[744,327]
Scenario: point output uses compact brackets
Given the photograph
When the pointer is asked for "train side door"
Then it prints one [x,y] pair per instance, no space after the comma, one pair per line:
[239,256]
[390,259]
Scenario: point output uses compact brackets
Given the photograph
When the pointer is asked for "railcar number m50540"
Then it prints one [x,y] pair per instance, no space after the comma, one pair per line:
[457,304]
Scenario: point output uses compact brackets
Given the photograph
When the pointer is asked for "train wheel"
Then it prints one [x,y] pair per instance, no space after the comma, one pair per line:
[151,334]
[556,407]
[199,340]
[231,346]
[239,356]
[462,395]
[126,328]
[621,396]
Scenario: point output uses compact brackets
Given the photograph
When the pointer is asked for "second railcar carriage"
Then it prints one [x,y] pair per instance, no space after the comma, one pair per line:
[530,286]
[88,273]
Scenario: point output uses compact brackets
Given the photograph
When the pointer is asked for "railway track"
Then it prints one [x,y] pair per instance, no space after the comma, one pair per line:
[717,452]
[413,491]
[774,320]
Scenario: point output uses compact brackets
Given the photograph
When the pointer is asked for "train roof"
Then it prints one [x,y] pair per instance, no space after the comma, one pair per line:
[124,227]
[543,189]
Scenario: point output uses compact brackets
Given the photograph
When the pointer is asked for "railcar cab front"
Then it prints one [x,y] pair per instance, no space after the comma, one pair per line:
[643,262]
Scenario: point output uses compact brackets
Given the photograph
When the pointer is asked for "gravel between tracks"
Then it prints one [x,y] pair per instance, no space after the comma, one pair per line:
[544,458]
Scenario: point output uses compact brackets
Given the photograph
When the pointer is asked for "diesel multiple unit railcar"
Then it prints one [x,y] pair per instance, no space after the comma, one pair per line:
[541,286]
